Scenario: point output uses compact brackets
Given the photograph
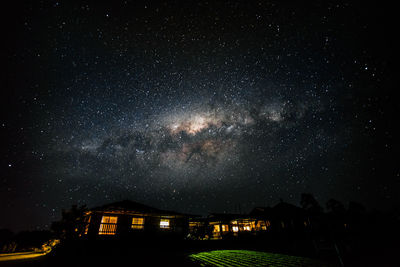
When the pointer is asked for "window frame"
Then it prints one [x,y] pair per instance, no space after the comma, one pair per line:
[165,223]
[139,225]
[108,225]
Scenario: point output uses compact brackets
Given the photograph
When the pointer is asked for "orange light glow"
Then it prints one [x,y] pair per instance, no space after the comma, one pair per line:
[263,225]
[45,249]
[87,219]
[137,223]
[108,225]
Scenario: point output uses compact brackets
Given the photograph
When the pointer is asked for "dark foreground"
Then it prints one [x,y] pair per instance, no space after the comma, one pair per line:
[191,253]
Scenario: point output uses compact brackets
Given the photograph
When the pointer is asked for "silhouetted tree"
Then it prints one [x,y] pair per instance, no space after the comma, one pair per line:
[356,214]
[310,204]
[336,218]
[356,208]
[6,236]
[71,222]
[335,206]
[26,240]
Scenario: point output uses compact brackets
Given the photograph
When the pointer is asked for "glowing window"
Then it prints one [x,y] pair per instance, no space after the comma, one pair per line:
[235,227]
[216,228]
[261,225]
[225,228]
[108,225]
[247,225]
[137,223]
[164,223]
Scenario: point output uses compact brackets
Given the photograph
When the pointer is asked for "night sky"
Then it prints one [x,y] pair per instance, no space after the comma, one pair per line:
[195,106]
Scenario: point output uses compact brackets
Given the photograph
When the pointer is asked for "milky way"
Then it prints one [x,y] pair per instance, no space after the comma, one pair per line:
[195,106]
[199,146]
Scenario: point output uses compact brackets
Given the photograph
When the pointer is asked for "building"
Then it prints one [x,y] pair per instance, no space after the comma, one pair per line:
[127,218]
[283,218]
[223,225]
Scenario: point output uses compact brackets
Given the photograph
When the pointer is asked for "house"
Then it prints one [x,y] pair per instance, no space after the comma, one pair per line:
[283,218]
[226,225]
[127,218]
[223,225]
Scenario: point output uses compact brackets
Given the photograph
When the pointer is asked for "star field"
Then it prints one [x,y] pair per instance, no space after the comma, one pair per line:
[195,106]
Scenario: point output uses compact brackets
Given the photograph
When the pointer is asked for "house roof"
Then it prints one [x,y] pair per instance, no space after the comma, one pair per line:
[132,206]
[225,216]
[261,211]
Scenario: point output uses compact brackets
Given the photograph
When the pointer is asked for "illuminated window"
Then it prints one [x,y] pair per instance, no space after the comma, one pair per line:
[216,228]
[108,225]
[263,225]
[225,228]
[137,223]
[164,223]
[249,225]
[235,227]
[243,225]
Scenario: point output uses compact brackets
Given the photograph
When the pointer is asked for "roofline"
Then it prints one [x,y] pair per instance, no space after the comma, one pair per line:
[133,213]
[152,211]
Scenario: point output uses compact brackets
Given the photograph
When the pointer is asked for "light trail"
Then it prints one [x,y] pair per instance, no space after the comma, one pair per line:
[46,249]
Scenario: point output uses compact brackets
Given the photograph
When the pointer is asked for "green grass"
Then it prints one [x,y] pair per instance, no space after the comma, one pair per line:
[242,258]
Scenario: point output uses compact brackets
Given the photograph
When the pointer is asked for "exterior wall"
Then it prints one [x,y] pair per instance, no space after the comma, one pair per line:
[178,225]
[212,227]
[236,228]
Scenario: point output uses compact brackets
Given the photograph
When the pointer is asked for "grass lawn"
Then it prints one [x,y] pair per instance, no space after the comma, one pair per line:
[250,258]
